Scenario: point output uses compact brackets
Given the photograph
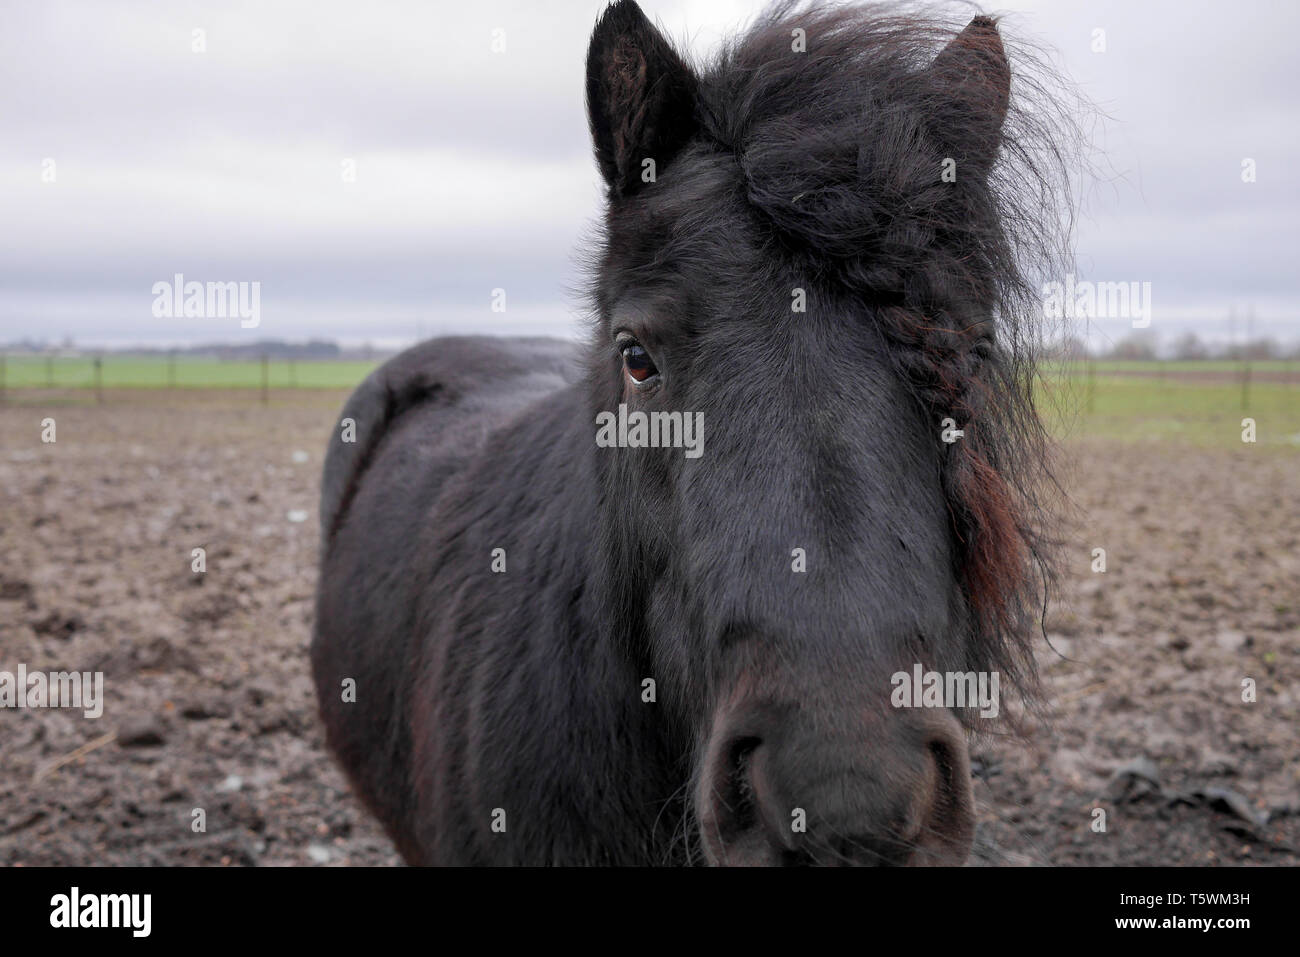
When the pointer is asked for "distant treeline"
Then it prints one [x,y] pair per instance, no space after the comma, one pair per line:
[274,349]
[1146,346]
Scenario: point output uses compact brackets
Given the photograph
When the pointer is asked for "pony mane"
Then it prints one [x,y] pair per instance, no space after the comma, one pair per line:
[841,149]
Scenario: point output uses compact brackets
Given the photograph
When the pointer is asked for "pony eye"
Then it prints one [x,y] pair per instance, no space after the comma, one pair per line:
[637,363]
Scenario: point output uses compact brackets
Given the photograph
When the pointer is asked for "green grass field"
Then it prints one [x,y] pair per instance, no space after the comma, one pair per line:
[1186,410]
[154,372]
[1198,403]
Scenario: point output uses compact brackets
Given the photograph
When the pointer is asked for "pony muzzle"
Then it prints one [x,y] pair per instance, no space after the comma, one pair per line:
[777,789]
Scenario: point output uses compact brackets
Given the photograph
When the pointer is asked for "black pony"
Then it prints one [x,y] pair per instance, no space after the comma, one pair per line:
[647,602]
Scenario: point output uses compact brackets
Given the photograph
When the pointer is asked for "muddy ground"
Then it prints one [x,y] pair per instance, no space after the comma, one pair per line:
[210,705]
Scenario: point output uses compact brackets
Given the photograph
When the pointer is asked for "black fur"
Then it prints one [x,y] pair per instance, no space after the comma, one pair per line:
[522,691]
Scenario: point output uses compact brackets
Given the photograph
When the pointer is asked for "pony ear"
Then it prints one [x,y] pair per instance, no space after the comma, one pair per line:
[972,80]
[640,97]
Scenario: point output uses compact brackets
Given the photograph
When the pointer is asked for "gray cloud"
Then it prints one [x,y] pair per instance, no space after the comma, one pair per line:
[474,171]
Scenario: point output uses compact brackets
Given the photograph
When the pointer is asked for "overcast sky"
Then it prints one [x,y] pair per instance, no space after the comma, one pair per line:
[474,170]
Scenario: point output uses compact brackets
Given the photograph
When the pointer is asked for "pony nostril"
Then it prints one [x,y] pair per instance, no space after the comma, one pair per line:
[941,754]
[732,816]
[738,811]
[948,822]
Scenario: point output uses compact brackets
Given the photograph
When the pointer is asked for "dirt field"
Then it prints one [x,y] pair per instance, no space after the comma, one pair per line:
[209,703]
